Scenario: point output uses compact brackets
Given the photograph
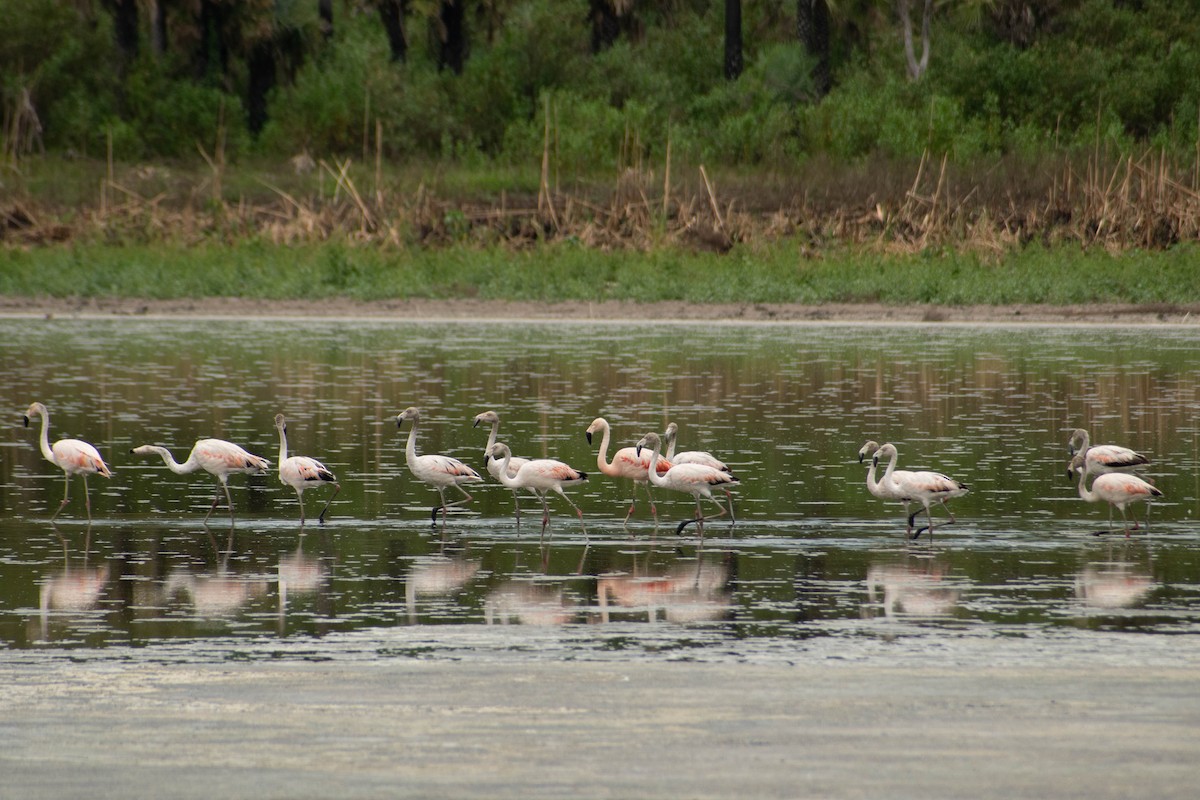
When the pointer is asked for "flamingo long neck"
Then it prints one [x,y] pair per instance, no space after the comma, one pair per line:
[191,465]
[282,445]
[888,480]
[503,476]
[410,449]
[652,473]
[1084,492]
[1085,441]
[47,453]
[492,440]
[602,457]
[873,486]
[670,446]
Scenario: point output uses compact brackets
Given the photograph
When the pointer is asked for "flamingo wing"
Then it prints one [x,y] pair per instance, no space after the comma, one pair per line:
[78,457]
[1109,456]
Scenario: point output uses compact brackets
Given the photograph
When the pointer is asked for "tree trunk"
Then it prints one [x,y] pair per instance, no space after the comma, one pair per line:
[125,26]
[916,68]
[325,14]
[158,27]
[606,26]
[733,39]
[452,52]
[813,29]
[261,79]
[211,22]
[391,12]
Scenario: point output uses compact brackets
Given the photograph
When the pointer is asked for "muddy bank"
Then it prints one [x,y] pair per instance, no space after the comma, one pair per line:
[1099,314]
[414,728]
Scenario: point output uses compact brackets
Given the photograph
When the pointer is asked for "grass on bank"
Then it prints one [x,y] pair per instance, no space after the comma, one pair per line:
[560,271]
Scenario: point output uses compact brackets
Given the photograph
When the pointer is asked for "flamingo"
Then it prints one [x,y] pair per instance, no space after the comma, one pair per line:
[72,456]
[218,458]
[539,476]
[493,465]
[921,487]
[301,472]
[437,471]
[697,480]
[1101,458]
[626,463]
[884,490]
[690,456]
[1118,489]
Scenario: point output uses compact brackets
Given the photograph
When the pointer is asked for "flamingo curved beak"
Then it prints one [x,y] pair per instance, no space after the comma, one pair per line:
[588,434]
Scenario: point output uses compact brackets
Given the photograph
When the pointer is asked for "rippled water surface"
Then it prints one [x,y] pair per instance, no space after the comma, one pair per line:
[814,565]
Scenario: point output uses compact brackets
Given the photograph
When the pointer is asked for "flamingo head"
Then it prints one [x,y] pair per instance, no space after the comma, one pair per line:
[598,424]
[487,417]
[866,450]
[35,410]
[498,452]
[409,413]
[1075,466]
[887,451]
[1078,441]
[650,440]
[281,423]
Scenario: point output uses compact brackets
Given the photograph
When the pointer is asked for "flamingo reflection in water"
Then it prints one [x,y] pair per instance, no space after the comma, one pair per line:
[525,602]
[1112,585]
[72,589]
[72,456]
[436,576]
[913,591]
[683,593]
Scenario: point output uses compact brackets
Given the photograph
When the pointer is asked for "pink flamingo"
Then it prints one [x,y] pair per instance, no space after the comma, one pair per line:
[1120,490]
[922,487]
[437,471]
[884,490]
[218,458]
[539,476]
[627,462]
[493,466]
[1101,459]
[690,456]
[72,456]
[697,480]
[302,472]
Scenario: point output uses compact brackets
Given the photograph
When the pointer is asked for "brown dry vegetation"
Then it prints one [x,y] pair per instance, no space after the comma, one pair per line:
[1146,201]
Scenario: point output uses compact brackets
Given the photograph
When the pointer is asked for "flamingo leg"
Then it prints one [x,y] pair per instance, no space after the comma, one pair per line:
[337,487]
[578,510]
[66,495]
[433,514]
[632,505]
[700,518]
[87,498]
[517,508]
[300,497]
[653,505]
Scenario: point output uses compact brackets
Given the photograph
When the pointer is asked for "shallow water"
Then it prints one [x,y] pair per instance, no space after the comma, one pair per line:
[814,567]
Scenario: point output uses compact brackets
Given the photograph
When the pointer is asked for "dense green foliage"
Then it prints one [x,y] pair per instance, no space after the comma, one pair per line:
[564,271]
[1126,74]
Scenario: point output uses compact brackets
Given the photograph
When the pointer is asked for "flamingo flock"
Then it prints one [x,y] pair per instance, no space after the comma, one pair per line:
[651,462]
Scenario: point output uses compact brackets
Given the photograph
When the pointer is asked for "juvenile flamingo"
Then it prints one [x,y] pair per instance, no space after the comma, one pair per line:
[694,479]
[690,456]
[539,476]
[494,466]
[1118,489]
[1101,459]
[626,463]
[218,458]
[437,471]
[884,490]
[72,456]
[302,472]
[922,487]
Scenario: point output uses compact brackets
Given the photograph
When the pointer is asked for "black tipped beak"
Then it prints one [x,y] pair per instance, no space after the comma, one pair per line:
[639,451]
[476,424]
[589,437]
[27,425]
[861,457]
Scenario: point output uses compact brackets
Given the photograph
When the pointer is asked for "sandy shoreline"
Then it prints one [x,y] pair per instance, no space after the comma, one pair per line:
[417,728]
[223,307]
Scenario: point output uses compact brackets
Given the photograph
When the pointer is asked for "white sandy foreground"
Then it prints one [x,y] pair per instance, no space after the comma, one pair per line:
[416,728]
